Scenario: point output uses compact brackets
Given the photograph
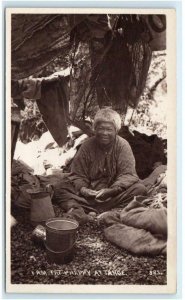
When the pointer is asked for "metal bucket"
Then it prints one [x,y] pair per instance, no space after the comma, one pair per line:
[60,239]
[62,257]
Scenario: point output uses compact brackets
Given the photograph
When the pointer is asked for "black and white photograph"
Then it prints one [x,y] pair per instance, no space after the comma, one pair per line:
[90,150]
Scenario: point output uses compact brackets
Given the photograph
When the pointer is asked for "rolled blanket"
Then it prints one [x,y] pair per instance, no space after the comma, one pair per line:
[137,241]
[137,228]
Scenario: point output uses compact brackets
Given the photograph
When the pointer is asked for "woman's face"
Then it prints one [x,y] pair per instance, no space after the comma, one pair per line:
[105,133]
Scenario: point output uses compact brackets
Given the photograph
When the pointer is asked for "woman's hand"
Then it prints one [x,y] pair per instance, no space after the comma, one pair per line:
[103,194]
[88,192]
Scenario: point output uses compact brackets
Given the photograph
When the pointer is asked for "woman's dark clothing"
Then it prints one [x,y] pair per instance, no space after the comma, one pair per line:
[96,168]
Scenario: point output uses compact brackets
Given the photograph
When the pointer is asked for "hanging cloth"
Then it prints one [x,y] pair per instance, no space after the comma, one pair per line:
[54,107]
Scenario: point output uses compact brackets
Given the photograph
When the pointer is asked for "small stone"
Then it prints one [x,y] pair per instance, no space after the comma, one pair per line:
[92,214]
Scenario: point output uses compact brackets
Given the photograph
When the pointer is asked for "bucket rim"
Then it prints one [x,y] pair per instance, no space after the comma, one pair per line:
[47,222]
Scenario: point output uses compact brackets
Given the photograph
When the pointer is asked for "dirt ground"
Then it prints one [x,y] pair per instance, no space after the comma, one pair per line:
[96,261]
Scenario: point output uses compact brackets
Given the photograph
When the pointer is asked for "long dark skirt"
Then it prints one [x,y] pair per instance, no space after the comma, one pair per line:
[67,198]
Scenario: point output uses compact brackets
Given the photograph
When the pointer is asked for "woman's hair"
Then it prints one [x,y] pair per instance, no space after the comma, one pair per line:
[108,115]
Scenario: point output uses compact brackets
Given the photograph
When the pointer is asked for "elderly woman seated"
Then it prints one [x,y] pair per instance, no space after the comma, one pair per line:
[103,174]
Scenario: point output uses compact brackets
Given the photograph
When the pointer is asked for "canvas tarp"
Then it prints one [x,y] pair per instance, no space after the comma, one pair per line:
[109,57]
[36,39]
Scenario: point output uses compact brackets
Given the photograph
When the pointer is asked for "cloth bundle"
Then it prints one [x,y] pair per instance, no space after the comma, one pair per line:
[137,228]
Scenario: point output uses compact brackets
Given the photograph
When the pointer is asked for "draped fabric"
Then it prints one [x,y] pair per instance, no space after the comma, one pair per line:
[109,57]
[52,96]
[80,81]
[125,60]
[37,39]
[116,68]
[54,107]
